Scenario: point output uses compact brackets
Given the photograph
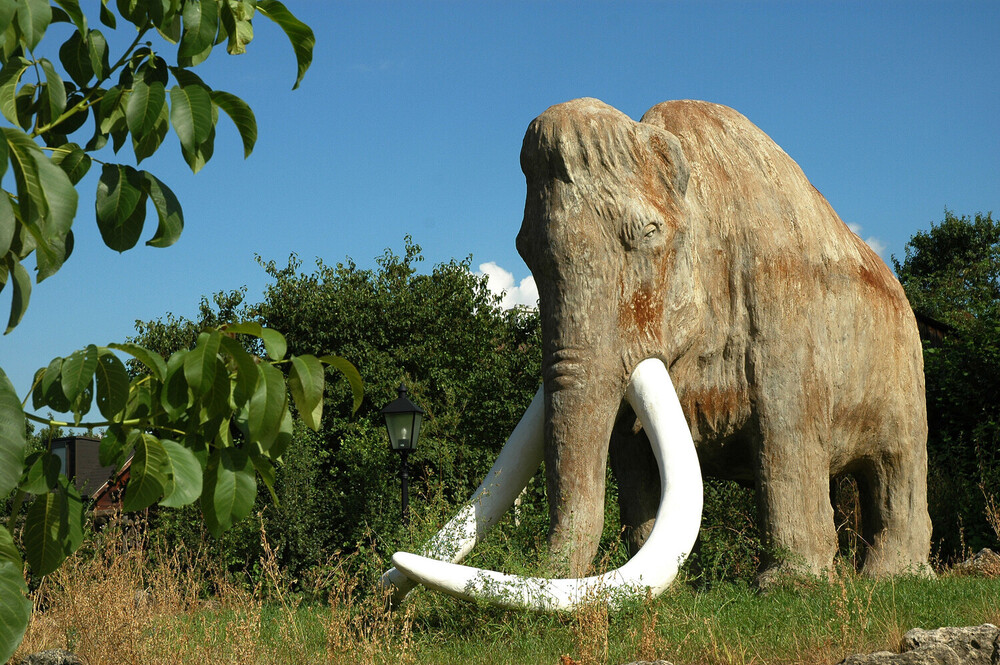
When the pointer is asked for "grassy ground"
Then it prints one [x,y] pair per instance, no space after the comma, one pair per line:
[117,604]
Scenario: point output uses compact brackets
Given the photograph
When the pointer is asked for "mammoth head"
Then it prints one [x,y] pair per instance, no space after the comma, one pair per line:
[604,218]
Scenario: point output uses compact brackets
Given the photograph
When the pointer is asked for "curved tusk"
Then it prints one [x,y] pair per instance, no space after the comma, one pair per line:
[515,465]
[653,568]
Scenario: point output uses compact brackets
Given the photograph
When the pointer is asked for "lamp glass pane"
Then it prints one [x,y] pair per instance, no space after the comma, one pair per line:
[417,420]
[400,426]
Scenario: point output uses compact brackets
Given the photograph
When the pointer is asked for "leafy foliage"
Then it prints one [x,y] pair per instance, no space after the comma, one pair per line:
[138,98]
[209,419]
[471,365]
[952,274]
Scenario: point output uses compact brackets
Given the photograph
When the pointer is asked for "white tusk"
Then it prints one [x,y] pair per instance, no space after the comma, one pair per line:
[515,465]
[653,568]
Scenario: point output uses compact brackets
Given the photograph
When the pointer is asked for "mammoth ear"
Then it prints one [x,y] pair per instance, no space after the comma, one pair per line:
[668,156]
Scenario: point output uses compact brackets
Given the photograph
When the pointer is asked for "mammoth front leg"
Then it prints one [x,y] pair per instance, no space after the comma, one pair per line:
[793,494]
[635,471]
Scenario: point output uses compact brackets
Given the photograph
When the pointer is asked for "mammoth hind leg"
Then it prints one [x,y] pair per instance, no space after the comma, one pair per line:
[638,480]
[895,523]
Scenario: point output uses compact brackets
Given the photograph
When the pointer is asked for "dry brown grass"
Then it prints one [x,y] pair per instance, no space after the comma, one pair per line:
[118,604]
[361,628]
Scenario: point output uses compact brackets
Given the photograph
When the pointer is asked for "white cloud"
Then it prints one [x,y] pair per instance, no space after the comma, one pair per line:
[877,245]
[501,282]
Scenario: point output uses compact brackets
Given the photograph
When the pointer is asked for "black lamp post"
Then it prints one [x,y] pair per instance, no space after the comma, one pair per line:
[402,420]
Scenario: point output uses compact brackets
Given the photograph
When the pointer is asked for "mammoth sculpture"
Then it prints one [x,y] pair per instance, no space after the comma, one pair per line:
[687,251]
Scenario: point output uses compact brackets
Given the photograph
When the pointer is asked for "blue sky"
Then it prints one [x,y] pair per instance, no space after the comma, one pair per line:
[411,118]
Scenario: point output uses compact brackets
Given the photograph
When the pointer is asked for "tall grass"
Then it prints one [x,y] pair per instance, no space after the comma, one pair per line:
[123,600]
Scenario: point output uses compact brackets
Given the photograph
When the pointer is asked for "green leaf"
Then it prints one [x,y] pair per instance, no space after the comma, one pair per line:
[191,115]
[115,445]
[4,156]
[306,380]
[120,205]
[7,10]
[33,18]
[168,209]
[22,293]
[144,107]
[151,142]
[72,9]
[47,200]
[241,115]
[55,92]
[107,18]
[184,473]
[61,199]
[42,474]
[274,341]
[43,378]
[201,155]
[171,30]
[230,489]
[216,402]
[151,359]
[97,46]
[247,375]
[147,475]
[352,375]
[80,405]
[239,38]
[12,437]
[78,371]
[157,10]
[15,608]
[141,400]
[266,406]
[53,527]
[27,105]
[112,384]
[74,55]
[71,121]
[201,25]
[112,108]
[284,438]
[10,77]
[299,34]
[52,387]
[8,550]
[132,11]
[265,469]
[72,160]
[44,530]
[8,226]
[238,29]
[201,364]
[30,192]
[74,516]
[174,397]
[112,115]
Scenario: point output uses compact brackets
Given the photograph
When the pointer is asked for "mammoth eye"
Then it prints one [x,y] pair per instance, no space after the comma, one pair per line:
[649,230]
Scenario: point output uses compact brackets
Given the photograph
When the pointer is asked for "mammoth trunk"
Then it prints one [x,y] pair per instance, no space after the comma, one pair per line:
[580,407]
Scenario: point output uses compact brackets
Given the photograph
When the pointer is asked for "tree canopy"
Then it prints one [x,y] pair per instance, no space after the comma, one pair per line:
[952,273]
[470,364]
